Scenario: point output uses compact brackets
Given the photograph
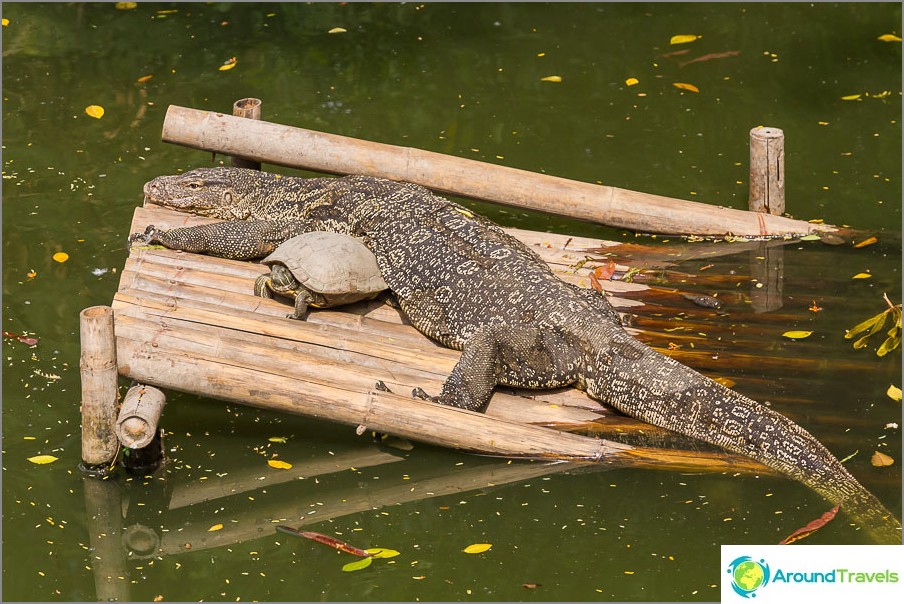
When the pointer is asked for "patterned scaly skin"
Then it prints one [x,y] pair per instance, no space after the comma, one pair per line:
[461,280]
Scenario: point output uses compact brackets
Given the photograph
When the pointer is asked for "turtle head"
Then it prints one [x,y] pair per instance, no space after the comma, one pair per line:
[226,193]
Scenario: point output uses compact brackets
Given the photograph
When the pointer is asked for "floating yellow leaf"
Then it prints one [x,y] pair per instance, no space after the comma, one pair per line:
[95,111]
[279,465]
[631,81]
[725,382]
[683,38]
[228,64]
[278,439]
[683,86]
[881,460]
[850,97]
[144,79]
[551,79]
[337,30]
[42,459]
[358,564]
[797,335]
[866,242]
[862,276]
[61,257]
[477,548]
[883,37]
[382,552]
[5,21]
[216,527]
[126,5]
[894,393]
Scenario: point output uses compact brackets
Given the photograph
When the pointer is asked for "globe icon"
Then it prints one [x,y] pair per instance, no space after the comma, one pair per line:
[749,575]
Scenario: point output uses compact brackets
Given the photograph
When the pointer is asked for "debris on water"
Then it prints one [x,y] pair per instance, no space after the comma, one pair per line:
[703,300]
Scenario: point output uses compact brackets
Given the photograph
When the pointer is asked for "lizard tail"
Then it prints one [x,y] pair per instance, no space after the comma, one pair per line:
[662,392]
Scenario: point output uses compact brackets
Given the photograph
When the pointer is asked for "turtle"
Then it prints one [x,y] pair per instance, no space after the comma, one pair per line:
[320,269]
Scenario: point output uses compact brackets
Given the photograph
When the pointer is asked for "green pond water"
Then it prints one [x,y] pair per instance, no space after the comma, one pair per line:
[467,81]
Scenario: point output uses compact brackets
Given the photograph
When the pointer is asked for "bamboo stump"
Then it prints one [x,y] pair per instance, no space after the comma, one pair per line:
[251,109]
[139,416]
[767,171]
[100,392]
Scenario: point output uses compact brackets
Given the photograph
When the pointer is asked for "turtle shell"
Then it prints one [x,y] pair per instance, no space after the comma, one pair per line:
[332,264]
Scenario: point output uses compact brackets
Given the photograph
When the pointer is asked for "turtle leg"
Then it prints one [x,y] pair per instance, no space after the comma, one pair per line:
[301,307]
[262,287]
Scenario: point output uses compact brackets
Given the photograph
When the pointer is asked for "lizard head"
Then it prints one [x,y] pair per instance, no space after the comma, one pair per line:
[215,192]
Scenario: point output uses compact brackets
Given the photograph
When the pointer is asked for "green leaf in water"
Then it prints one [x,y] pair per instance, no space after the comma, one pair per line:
[358,564]
[381,552]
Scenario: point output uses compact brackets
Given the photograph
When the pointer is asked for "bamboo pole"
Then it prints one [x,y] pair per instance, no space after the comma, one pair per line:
[99,387]
[250,109]
[136,425]
[767,170]
[307,149]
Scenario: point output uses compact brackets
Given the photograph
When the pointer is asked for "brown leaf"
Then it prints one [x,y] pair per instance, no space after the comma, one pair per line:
[342,546]
[881,460]
[530,585]
[811,527]
[595,283]
[24,339]
[675,53]
[606,271]
[711,56]
[866,242]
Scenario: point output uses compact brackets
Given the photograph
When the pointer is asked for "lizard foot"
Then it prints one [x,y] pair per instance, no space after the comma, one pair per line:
[145,238]
[419,393]
[382,387]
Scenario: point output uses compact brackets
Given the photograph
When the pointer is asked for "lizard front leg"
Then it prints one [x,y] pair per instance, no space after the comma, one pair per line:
[239,240]
[518,356]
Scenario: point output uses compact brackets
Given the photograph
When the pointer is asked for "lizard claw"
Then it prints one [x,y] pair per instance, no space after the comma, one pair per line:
[145,238]
[419,393]
[382,387]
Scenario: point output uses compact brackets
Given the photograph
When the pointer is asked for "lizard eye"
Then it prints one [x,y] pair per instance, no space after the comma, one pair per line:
[194,185]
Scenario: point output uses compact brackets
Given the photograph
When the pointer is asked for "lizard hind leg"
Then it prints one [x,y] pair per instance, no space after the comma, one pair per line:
[519,356]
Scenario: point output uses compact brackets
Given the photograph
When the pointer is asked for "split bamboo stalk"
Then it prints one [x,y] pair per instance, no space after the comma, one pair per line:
[767,170]
[307,149]
[249,109]
[100,392]
[139,415]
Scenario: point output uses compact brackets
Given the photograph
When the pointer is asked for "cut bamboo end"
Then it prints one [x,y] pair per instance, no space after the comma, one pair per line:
[249,108]
[139,416]
[767,170]
[99,387]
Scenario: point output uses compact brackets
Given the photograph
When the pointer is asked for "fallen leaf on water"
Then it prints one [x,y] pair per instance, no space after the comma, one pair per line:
[278,439]
[850,97]
[381,552]
[711,56]
[5,21]
[342,546]
[894,393]
[631,81]
[684,86]
[881,460]
[530,585]
[725,382]
[552,78]
[477,548]
[228,64]
[126,5]
[144,79]
[814,307]
[889,38]
[357,565]
[42,459]
[24,339]
[214,528]
[866,242]
[811,527]
[797,335]
[861,276]
[158,598]
[95,111]
[337,30]
[278,464]
[61,257]
[683,38]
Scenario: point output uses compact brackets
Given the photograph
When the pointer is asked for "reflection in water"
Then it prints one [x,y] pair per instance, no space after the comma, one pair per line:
[767,271]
